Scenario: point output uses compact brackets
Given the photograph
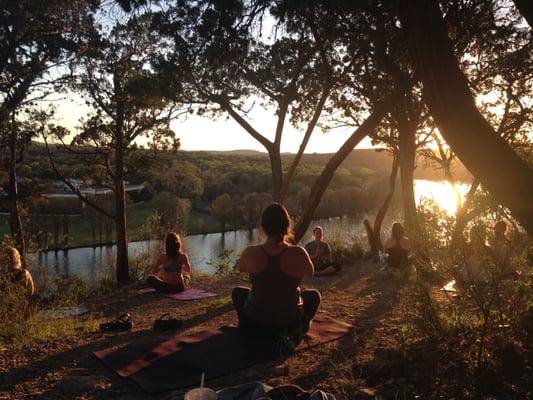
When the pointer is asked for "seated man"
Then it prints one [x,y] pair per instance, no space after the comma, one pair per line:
[320,253]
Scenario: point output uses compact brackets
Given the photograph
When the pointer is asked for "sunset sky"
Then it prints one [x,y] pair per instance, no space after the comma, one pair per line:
[197,133]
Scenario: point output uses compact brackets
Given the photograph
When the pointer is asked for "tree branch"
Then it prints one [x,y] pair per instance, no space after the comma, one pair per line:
[76,191]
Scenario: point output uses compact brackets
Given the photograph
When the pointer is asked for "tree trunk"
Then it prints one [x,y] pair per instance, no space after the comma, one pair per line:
[120,207]
[65,231]
[56,231]
[45,232]
[17,232]
[407,156]
[446,92]
[277,172]
[100,229]
[370,235]
[380,216]
[462,216]
[308,132]
[325,177]
[93,226]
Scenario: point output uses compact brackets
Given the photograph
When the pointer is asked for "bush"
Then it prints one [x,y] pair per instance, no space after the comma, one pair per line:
[346,246]
[226,265]
[14,307]
[66,291]
[485,326]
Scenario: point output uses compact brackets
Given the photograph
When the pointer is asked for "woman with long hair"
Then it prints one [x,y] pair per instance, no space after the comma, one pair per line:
[11,264]
[275,303]
[168,268]
[397,247]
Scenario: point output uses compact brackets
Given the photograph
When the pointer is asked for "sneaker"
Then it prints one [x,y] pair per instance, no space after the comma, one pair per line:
[122,323]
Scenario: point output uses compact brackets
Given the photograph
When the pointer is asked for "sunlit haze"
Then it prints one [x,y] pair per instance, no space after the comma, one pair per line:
[200,133]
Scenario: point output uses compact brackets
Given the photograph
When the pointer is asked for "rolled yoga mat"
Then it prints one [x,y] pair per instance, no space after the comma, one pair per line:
[178,362]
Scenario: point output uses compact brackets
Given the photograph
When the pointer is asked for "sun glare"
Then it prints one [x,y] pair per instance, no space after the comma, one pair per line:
[441,192]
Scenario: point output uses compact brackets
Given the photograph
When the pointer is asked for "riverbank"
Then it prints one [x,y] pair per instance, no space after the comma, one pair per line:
[81,228]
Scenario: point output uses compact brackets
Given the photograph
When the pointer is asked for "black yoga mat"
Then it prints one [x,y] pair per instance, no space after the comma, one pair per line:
[178,362]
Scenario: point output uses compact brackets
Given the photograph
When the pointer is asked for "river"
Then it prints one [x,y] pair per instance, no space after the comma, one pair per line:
[204,250]
[91,264]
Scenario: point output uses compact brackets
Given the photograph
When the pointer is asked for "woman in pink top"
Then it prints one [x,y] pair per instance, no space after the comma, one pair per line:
[168,268]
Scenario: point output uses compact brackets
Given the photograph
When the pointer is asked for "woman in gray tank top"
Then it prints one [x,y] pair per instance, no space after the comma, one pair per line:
[275,302]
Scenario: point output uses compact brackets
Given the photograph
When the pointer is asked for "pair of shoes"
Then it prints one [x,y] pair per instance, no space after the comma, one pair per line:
[122,323]
[165,323]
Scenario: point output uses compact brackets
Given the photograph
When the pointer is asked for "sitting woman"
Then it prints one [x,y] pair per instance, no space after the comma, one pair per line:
[501,250]
[320,252]
[275,304]
[397,248]
[167,271]
[12,266]
[477,252]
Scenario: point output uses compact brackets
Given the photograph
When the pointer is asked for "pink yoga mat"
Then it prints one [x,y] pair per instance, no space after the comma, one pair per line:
[187,294]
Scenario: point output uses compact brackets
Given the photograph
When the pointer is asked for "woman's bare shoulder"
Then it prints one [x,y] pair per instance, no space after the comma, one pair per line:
[390,242]
[252,251]
[296,250]
[406,243]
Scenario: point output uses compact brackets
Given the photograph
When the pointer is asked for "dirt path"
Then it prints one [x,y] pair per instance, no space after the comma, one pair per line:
[65,368]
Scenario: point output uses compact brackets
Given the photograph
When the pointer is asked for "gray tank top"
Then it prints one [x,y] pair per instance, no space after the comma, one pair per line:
[275,296]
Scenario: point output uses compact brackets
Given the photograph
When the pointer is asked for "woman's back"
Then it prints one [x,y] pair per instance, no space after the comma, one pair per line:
[398,252]
[275,302]
[275,296]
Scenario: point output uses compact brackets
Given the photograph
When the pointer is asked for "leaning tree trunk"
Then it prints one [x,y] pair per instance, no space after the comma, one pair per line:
[322,182]
[380,216]
[446,92]
[17,232]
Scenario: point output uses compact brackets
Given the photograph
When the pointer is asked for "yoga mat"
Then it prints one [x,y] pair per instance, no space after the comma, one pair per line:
[187,294]
[178,362]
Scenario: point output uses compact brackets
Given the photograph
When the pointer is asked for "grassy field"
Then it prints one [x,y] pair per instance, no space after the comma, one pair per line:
[81,234]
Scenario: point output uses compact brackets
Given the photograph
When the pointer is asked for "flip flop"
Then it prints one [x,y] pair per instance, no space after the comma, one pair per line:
[122,323]
[165,323]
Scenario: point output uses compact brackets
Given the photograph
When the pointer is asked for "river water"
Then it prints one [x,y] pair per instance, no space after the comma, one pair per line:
[204,251]
[91,264]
